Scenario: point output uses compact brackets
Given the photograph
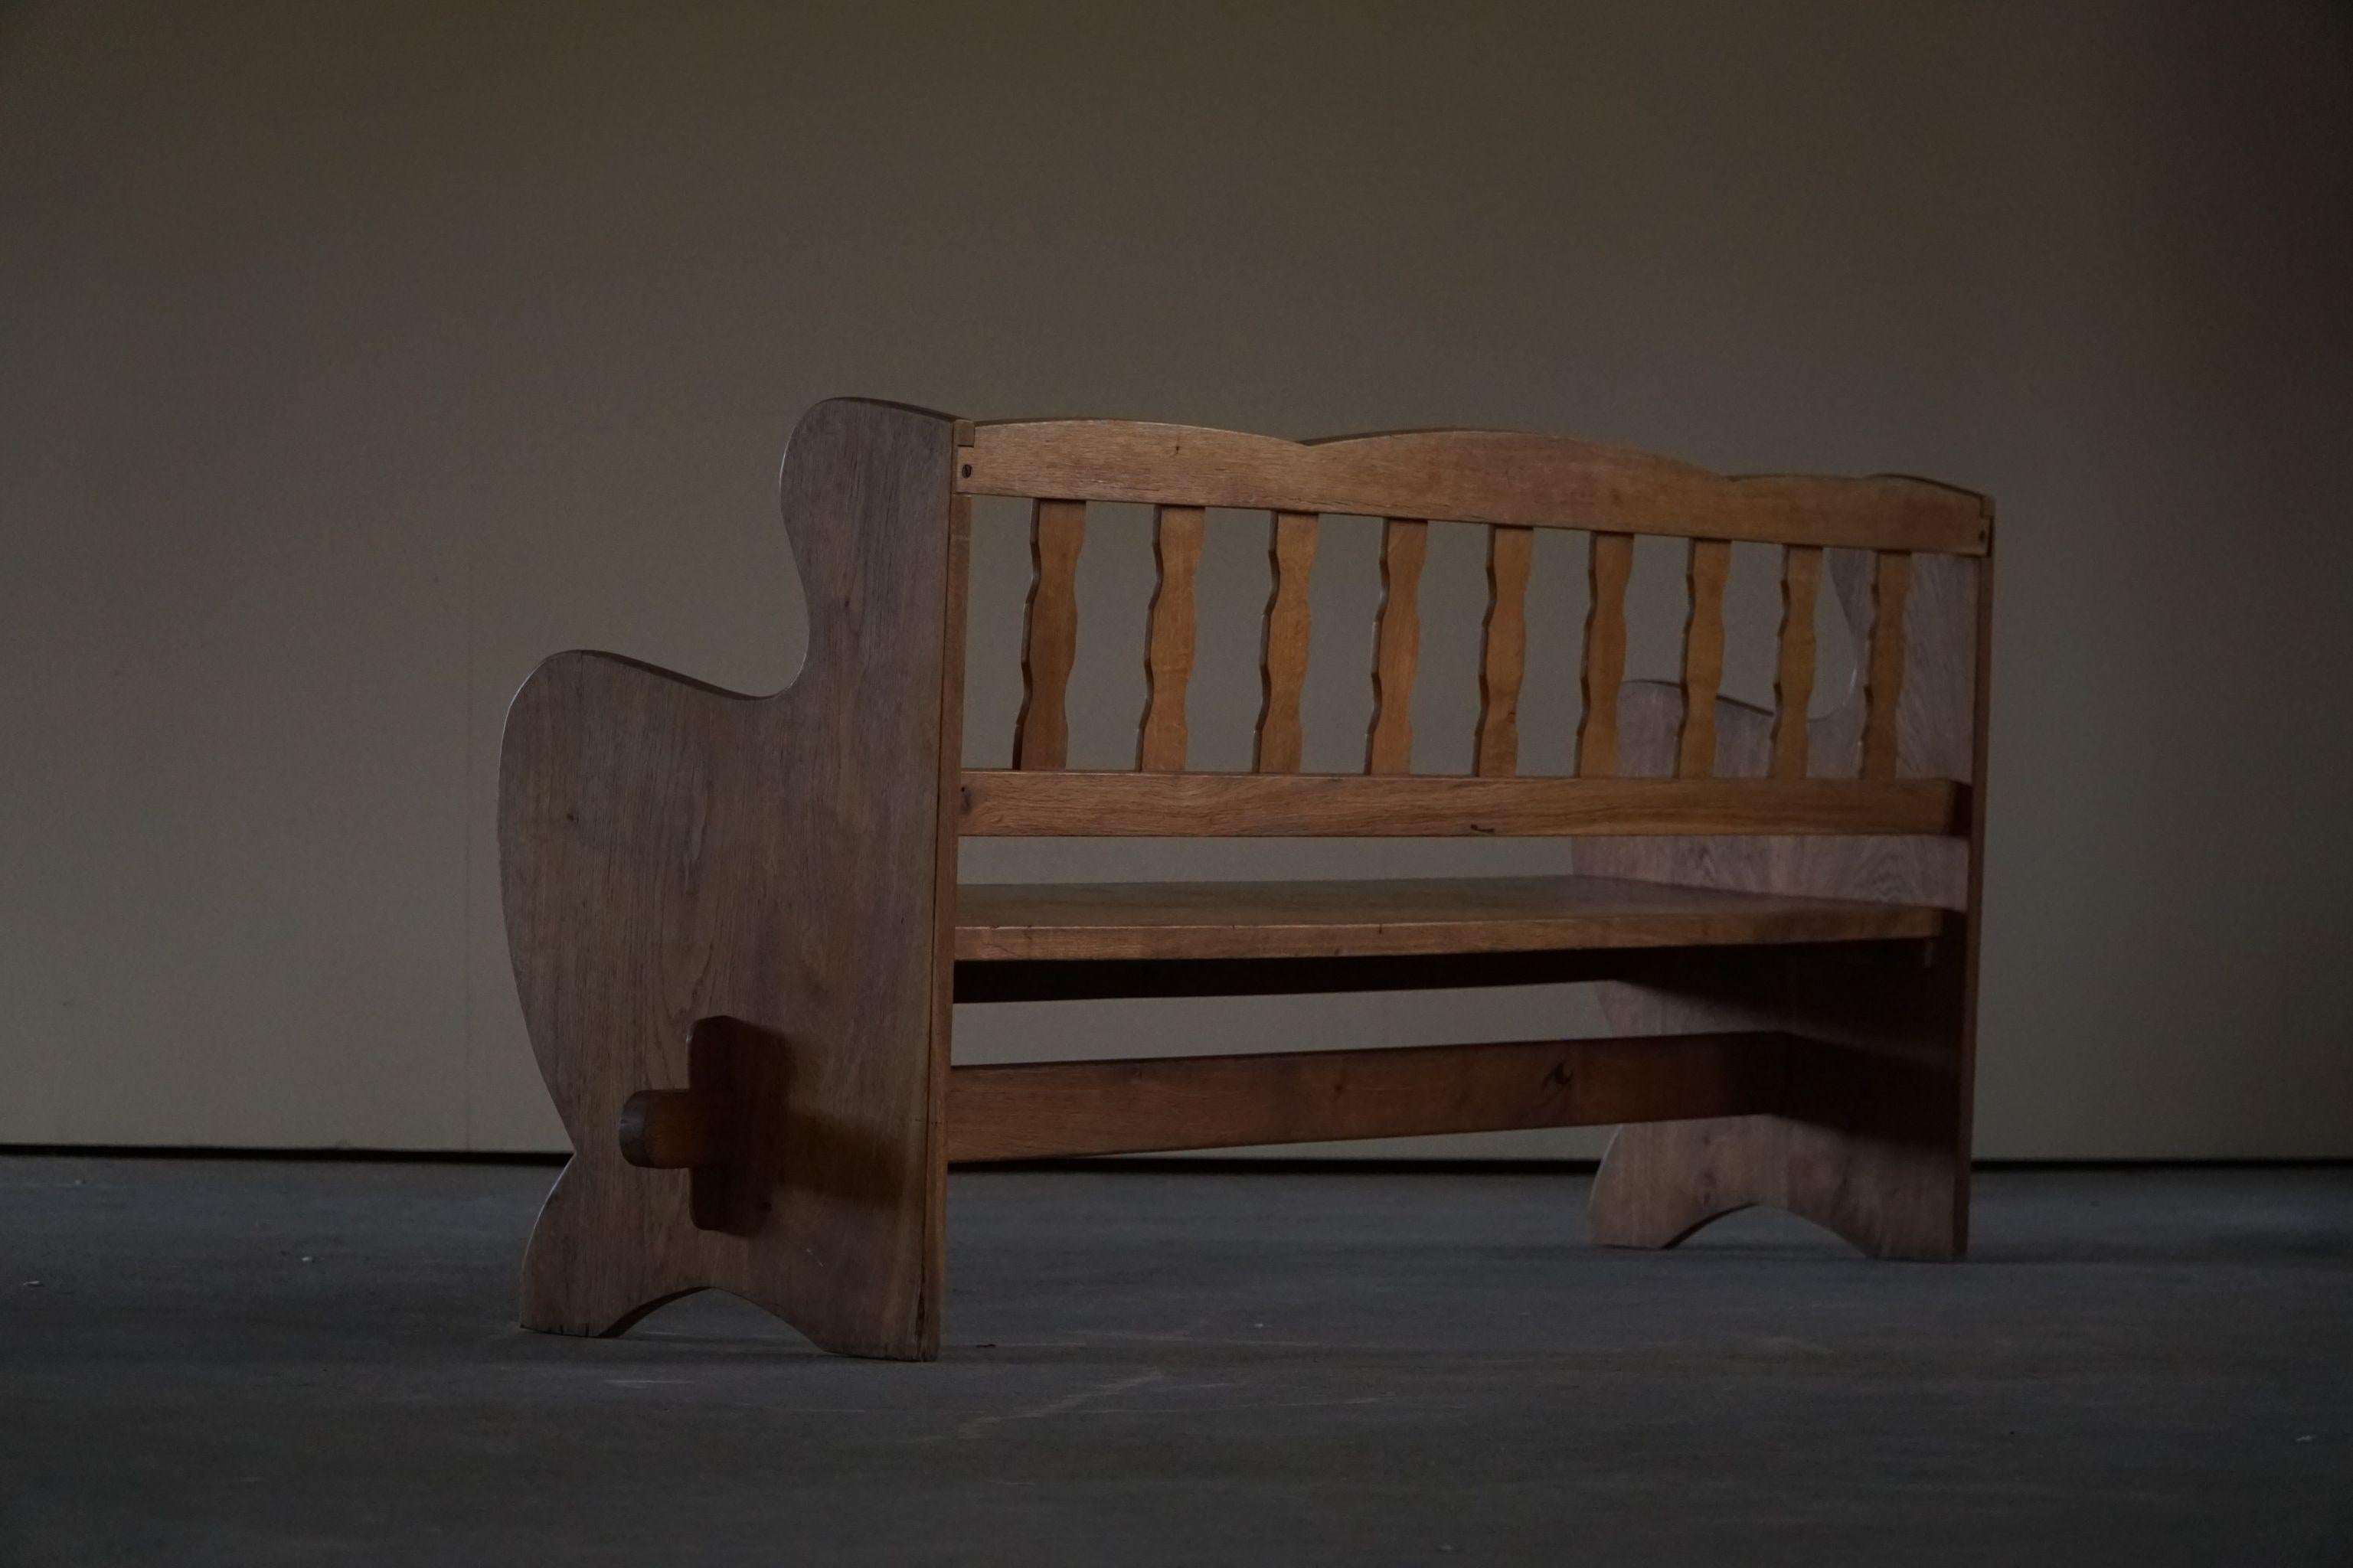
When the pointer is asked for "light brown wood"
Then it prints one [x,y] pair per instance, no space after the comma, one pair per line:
[1711,561]
[1397,645]
[1058,1110]
[1283,657]
[1793,680]
[1609,564]
[672,853]
[1885,687]
[1372,917]
[1464,476]
[1503,651]
[1049,634]
[1168,654]
[1000,803]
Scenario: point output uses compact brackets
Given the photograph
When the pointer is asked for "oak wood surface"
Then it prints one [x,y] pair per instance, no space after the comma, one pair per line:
[1793,678]
[1609,564]
[1057,1110]
[1503,651]
[672,852]
[1416,915]
[1282,656]
[1710,561]
[1464,476]
[1397,646]
[1049,634]
[1008,803]
[1884,685]
[1168,649]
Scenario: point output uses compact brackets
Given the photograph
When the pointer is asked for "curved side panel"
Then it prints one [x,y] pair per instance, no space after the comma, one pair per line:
[669,852]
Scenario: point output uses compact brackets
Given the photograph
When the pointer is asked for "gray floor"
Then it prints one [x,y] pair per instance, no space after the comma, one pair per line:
[254,1363]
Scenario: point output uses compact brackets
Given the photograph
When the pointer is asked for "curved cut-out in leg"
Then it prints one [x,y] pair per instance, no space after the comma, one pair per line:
[575,1281]
[1661,1181]
[1871,1141]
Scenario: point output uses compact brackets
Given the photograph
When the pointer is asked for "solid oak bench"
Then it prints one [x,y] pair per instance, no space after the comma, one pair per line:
[737,928]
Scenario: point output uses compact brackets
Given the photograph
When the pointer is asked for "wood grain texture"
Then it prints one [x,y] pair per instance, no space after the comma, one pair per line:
[1464,476]
[1609,564]
[671,853]
[1049,634]
[1710,561]
[1000,803]
[1867,1142]
[1397,646]
[1884,689]
[1873,1144]
[1058,1110]
[1793,678]
[1169,650]
[1282,656]
[1503,651]
[1418,915]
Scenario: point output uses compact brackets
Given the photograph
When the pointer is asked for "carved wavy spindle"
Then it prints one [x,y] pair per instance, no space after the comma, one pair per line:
[1049,634]
[1504,656]
[1168,654]
[1282,656]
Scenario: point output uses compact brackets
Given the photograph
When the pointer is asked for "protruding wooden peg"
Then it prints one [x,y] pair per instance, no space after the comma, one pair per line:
[721,1129]
[670,1129]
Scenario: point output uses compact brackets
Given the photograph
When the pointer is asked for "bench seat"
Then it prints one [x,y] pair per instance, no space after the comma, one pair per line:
[1000,922]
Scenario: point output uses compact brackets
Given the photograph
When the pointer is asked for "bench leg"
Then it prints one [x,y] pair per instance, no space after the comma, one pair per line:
[730,938]
[1872,1143]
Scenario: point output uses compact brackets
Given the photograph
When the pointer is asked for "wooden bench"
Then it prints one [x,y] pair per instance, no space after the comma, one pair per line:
[737,928]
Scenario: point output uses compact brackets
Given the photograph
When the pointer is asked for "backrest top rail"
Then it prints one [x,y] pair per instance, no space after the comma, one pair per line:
[1464,476]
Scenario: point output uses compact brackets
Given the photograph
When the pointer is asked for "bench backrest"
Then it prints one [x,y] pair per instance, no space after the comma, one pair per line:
[1906,773]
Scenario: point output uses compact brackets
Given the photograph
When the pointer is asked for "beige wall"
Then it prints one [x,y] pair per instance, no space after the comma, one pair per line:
[352,357]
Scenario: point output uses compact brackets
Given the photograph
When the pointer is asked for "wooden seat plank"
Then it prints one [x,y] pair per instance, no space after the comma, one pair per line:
[1419,915]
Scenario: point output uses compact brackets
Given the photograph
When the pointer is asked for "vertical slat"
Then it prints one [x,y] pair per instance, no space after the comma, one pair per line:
[1610,563]
[1503,659]
[1885,692]
[1703,657]
[1049,633]
[1793,682]
[1168,655]
[1282,656]
[1396,644]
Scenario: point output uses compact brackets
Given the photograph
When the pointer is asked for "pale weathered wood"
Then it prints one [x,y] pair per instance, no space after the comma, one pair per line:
[1396,644]
[1035,1111]
[1793,680]
[1049,634]
[1168,653]
[1711,560]
[1283,657]
[1466,476]
[1610,562]
[1884,687]
[1015,922]
[1004,803]
[1503,651]
[671,853]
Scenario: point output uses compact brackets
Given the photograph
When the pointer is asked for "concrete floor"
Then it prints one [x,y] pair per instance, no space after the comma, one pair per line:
[258,1362]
